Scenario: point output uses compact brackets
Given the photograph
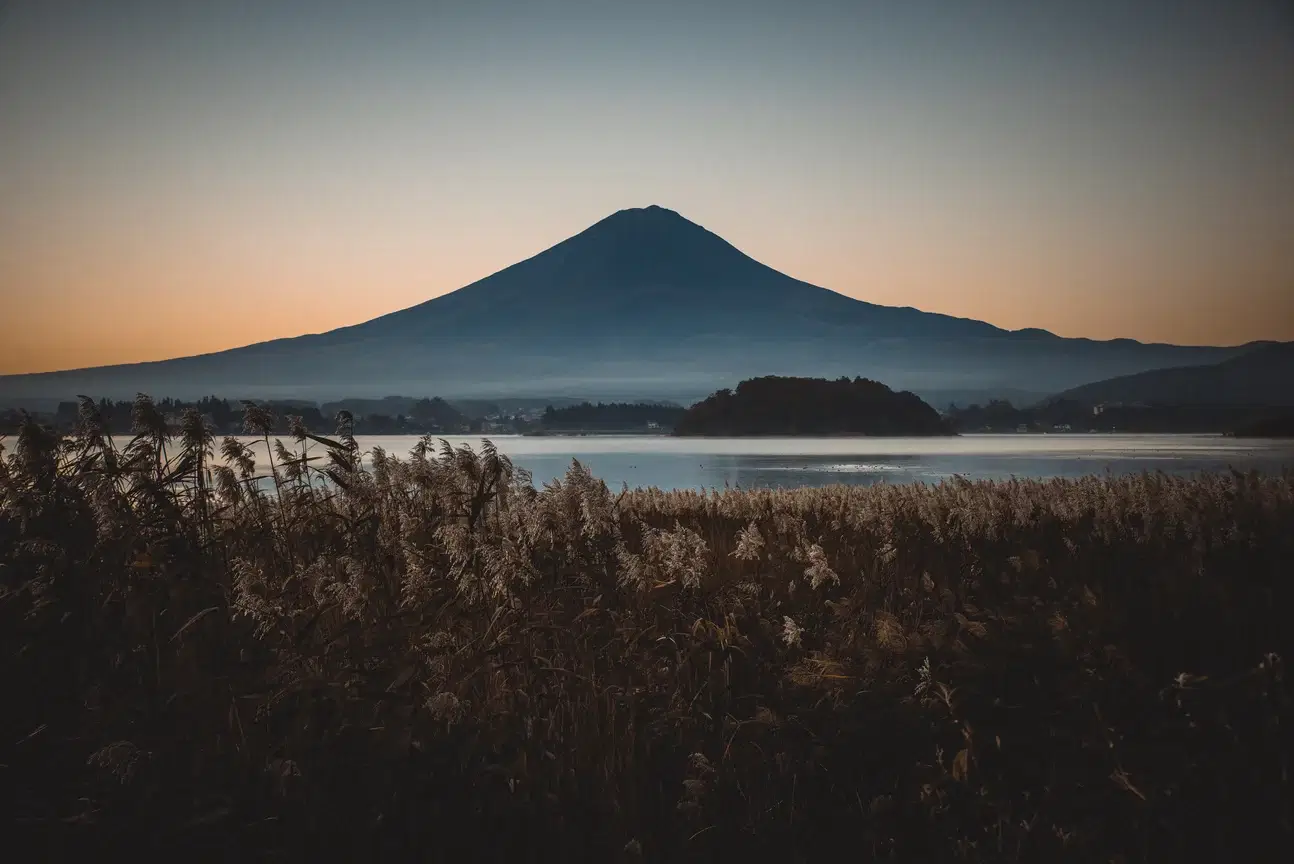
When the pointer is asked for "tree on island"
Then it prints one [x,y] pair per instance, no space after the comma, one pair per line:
[776,405]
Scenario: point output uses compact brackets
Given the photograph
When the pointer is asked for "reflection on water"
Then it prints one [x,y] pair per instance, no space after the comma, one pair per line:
[786,462]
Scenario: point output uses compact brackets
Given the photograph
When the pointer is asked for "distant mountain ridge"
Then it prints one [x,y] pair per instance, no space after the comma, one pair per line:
[1263,375]
[643,304]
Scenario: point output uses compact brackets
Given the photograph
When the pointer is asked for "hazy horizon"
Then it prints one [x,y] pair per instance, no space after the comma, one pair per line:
[181,178]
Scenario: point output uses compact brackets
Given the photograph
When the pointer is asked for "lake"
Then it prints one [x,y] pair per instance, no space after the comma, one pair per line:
[783,462]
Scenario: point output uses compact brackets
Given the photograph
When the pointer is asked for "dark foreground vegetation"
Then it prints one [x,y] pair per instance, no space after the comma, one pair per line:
[774,405]
[433,659]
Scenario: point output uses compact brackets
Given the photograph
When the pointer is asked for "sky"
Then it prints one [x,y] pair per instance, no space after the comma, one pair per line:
[180,177]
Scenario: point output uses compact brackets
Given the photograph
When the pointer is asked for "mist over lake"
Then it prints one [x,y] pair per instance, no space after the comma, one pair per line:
[677,463]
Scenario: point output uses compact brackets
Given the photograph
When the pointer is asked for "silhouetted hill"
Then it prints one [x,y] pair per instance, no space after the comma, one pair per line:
[811,406]
[643,304]
[1261,376]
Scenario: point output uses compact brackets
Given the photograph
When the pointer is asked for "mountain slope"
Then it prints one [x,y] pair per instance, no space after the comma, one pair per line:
[642,304]
[1261,376]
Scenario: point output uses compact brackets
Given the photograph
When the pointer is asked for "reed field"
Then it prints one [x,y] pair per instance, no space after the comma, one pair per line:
[214,655]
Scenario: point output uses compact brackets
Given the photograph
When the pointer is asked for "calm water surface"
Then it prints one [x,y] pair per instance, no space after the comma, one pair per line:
[781,462]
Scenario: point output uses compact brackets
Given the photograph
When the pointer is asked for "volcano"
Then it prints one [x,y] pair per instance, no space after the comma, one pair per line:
[643,304]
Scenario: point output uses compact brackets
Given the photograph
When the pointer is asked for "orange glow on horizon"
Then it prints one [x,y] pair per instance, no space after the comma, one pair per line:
[119,307]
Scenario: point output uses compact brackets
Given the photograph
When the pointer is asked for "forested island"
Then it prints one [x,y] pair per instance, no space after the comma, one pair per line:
[775,405]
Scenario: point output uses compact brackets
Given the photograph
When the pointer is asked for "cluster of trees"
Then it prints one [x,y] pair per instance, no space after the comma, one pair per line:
[396,415]
[617,416]
[399,411]
[998,415]
[390,416]
[225,416]
[11,420]
[1077,416]
[1279,425]
[811,406]
[761,406]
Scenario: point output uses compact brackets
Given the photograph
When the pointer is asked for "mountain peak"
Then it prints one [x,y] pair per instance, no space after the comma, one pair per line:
[652,214]
[643,240]
[650,209]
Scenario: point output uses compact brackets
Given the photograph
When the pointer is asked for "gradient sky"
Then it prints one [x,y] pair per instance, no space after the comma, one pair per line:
[179,177]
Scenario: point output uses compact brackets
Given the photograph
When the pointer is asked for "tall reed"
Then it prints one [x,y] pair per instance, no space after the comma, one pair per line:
[434,657]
